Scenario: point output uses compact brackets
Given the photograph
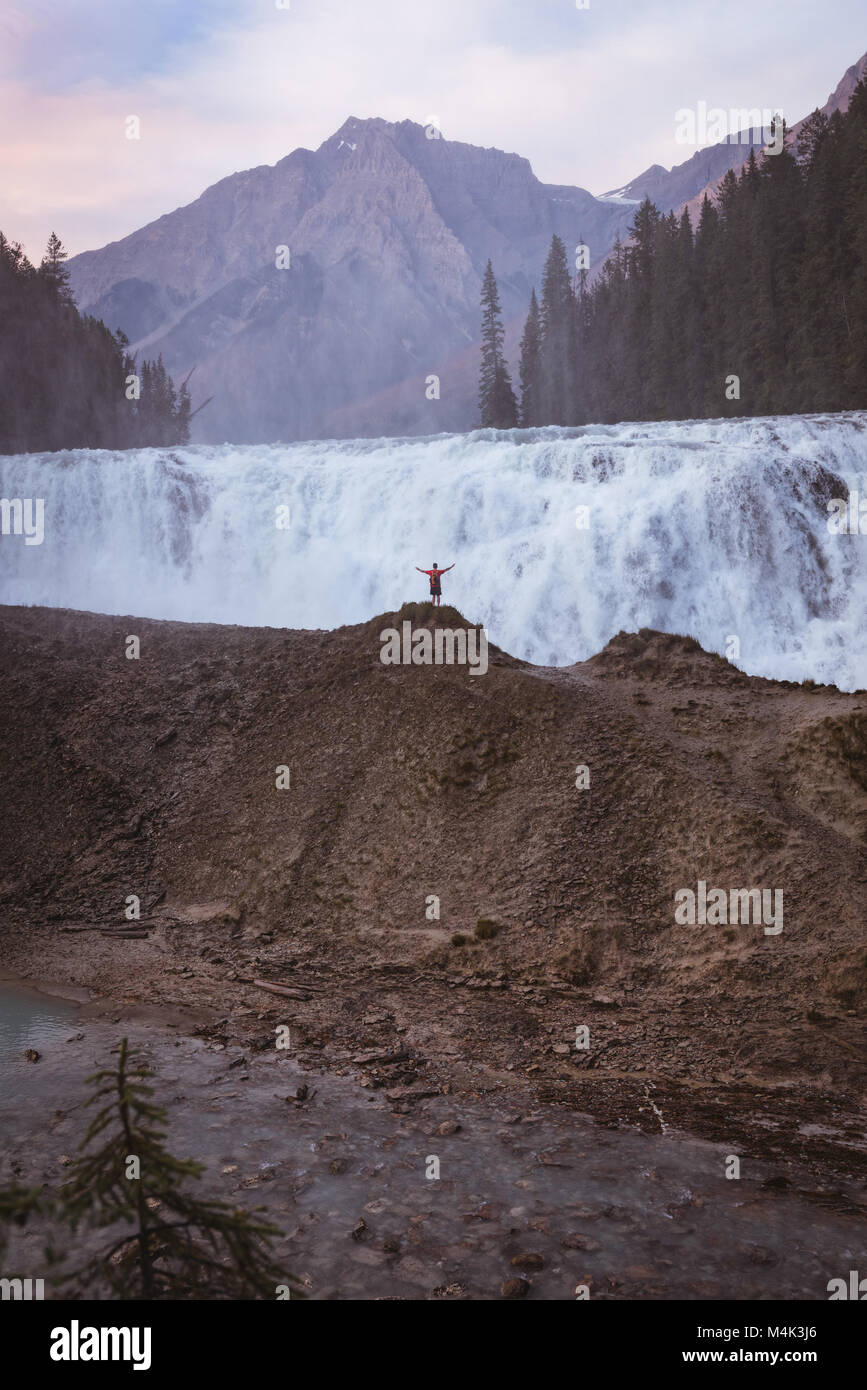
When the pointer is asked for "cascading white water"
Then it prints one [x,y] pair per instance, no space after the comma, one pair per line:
[715,528]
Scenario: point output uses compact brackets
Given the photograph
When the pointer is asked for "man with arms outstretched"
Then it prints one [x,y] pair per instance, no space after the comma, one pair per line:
[434,576]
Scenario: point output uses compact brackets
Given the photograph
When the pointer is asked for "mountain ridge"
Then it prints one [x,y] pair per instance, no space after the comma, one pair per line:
[388,228]
[389,232]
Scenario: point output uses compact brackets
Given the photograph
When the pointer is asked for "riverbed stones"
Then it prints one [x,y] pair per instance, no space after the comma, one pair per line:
[400,1094]
[576,1240]
[515,1288]
[529,1259]
[449,1127]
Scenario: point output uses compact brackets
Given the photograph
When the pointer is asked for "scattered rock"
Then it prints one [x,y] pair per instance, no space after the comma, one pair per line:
[448,1127]
[515,1288]
[577,1241]
[758,1255]
[486,1212]
[529,1260]
[409,1093]
[540,1223]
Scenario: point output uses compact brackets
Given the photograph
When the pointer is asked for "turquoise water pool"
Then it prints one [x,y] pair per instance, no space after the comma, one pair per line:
[30,1020]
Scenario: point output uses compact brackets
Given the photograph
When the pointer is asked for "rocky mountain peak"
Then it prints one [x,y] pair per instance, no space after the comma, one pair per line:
[389,225]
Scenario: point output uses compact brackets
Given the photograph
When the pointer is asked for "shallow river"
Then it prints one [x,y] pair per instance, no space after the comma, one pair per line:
[630,1215]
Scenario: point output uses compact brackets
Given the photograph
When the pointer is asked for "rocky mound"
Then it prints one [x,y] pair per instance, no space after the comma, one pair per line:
[514,840]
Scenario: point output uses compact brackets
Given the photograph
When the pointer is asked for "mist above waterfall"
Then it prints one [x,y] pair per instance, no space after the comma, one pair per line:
[560,537]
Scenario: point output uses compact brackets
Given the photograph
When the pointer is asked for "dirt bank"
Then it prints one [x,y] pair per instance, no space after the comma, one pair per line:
[156,777]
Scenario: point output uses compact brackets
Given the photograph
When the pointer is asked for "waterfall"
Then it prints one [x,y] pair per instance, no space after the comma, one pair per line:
[560,537]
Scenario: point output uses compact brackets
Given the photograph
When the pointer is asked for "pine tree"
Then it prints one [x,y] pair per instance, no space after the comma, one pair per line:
[183,415]
[851,290]
[17,1205]
[661,370]
[822,332]
[583,321]
[558,356]
[497,404]
[531,342]
[181,1247]
[712,365]
[780,212]
[680,286]
[54,270]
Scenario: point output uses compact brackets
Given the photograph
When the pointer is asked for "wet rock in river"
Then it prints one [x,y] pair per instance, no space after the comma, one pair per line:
[576,1240]
[529,1260]
[515,1288]
[448,1127]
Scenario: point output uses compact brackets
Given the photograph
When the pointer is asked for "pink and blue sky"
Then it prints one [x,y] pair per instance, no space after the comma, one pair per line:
[588,96]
